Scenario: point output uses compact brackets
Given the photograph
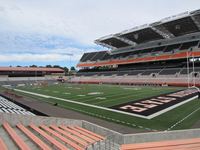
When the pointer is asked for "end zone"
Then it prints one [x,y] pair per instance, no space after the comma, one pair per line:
[155,106]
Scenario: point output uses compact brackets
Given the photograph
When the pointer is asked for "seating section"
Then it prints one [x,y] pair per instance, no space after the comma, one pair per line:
[161,71]
[148,72]
[171,71]
[94,56]
[7,106]
[47,137]
[186,144]
[155,51]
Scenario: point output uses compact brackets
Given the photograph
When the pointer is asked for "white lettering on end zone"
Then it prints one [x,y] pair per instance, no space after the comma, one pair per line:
[155,106]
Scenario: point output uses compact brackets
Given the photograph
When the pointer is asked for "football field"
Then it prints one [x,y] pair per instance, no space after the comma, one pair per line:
[107,96]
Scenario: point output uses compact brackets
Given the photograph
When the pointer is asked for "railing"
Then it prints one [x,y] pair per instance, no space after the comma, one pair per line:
[107,144]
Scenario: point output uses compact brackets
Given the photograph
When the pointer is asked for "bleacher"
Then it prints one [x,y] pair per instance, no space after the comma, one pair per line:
[161,71]
[149,72]
[47,133]
[7,106]
[94,56]
[157,50]
[46,137]
[105,56]
[170,71]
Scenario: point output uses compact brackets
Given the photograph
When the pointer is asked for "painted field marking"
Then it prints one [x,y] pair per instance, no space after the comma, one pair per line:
[95,93]
[180,121]
[114,95]
[129,88]
[110,109]
[84,104]
[125,96]
[67,93]
[100,98]
[81,95]
[115,120]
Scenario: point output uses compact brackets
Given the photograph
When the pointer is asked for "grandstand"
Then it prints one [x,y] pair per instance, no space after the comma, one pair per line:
[28,71]
[166,52]
[21,76]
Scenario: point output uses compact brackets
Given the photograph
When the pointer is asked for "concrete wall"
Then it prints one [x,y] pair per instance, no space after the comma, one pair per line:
[13,119]
[4,78]
[110,134]
[161,136]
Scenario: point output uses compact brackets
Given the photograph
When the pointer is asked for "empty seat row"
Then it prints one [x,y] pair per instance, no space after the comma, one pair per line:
[171,71]
[104,55]
[44,137]
[7,106]
[162,71]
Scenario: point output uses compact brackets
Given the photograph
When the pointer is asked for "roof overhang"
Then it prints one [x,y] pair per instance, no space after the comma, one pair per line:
[167,28]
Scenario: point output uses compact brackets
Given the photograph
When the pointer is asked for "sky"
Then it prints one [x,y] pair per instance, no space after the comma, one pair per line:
[58,32]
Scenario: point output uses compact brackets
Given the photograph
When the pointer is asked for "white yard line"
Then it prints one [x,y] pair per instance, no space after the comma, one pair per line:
[84,104]
[172,107]
[97,115]
[180,121]
[109,109]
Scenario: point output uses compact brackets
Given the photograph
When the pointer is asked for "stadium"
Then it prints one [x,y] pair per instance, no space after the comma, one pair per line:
[142,92]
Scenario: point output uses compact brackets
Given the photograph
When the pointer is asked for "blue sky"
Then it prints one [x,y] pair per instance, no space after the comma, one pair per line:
[44,32]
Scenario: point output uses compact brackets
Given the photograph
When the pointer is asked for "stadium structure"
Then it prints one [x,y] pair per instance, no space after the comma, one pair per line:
[28,71]
[166,52]
[141,93]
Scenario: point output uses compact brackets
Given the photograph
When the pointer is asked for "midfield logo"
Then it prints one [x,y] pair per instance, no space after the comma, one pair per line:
[154,106]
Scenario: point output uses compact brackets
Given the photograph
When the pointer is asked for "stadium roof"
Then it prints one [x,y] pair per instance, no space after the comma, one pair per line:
[31,69]
[167,28]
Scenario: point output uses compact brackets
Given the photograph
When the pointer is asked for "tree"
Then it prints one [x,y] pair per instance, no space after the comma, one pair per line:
[48,66]
[73,68]
[34,66]
[66,70]
[56,66]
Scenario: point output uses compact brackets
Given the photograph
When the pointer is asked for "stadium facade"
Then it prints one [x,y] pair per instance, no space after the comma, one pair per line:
[28,71]
[166,52]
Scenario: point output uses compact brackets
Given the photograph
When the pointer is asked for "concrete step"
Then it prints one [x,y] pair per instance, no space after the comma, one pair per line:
[7,139]
[26,139]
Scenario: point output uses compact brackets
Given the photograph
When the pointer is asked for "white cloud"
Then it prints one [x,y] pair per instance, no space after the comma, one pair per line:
[86,20]
[48,28]
[37,57]
[55,55]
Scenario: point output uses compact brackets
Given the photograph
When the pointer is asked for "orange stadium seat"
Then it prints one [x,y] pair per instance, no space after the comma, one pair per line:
[85,138]
[34,138]
[70,136]
[2,145]
[186,144]
[65,140]
[19,142]
[49,138]
[61,137]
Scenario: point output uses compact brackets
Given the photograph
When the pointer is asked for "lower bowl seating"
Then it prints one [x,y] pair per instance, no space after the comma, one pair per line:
[43,136]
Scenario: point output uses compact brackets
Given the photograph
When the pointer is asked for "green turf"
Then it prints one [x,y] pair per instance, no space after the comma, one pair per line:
[115,94]
[101,95]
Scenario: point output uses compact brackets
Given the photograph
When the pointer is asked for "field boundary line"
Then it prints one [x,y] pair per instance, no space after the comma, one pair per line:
[84,104]
[180,121]
[90,113]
